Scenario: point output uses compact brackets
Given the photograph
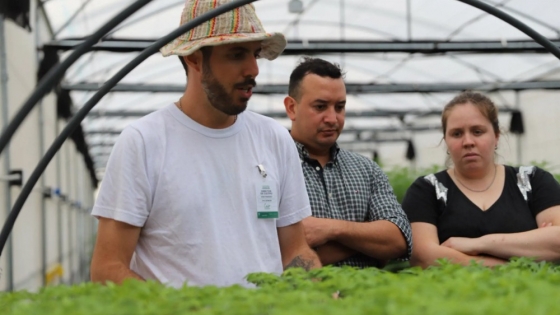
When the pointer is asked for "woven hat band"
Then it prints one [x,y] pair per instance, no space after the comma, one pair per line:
[240,20]
[235,26]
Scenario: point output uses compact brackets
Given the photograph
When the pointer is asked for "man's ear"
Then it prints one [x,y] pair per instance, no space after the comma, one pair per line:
[290,104]
[194,61]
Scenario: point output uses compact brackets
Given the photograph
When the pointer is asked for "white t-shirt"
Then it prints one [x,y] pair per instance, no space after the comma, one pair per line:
[193,190]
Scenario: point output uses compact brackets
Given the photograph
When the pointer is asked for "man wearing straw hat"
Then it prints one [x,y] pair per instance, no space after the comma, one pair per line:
[202,191]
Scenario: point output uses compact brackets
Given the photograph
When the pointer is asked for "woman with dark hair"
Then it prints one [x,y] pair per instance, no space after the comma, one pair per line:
[478,209]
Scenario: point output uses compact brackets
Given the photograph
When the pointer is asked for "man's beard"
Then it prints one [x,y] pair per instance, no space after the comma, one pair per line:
[218,96]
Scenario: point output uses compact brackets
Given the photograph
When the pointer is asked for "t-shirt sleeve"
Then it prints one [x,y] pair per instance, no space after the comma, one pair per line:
[420,202]
[125,193]
[294,202]
[545,191]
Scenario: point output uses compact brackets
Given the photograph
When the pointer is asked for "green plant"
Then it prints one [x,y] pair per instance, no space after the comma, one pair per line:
[401,178]
[520,287]
[545,165]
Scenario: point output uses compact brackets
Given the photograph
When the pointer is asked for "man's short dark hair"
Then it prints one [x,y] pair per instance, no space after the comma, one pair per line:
[206,53]
[315,66]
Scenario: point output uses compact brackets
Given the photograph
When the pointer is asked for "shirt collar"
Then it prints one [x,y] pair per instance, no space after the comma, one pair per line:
[303,154]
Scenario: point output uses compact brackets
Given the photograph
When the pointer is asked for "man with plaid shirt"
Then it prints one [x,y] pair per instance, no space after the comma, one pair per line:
[356,220]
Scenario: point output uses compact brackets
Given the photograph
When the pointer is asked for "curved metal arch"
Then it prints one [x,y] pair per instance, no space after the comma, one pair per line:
[349,25]
[529,17]
[506,18]
[296,20]
[100,71]
[74,16]
[81,114]
[472,21]
[384,12]
[515,23]
[56,74]
[141,18]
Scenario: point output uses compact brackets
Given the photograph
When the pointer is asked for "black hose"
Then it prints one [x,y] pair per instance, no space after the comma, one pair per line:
[82,113]
[55,74]
[515,23]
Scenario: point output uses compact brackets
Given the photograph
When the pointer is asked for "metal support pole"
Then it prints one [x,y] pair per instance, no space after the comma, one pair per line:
[83,259]
[79,217]
[408,20]
[58,202]
[69,170]
[78,246]
[43,201]
[92,236]
[342,30]
[5,112]
[41,134]
[518,138]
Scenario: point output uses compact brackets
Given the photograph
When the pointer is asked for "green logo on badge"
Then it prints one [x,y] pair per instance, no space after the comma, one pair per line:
[267,215]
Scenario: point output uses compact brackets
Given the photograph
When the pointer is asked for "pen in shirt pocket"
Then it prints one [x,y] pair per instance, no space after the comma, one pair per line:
[262,170]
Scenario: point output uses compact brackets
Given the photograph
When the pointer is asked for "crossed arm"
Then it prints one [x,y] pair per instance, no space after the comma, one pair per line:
[337,240]
[427,249]
[542,243]
[492,249]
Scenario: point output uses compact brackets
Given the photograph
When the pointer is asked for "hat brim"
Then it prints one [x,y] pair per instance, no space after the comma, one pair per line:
[272,44]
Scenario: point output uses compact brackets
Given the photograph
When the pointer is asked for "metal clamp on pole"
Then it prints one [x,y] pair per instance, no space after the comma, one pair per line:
[14,178]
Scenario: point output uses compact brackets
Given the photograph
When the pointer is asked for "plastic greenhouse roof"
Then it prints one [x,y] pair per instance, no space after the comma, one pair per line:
[332,20]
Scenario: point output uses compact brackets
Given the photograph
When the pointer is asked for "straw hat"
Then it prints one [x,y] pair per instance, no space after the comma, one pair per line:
[236,26]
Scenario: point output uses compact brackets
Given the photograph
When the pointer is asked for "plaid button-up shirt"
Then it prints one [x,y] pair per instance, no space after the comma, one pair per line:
[352,187]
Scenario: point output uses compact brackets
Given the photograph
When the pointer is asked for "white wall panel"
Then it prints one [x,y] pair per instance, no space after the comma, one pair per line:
[32,230]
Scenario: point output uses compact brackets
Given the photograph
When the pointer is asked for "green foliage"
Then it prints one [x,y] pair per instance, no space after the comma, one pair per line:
[547,166]
[520,287]
[401,178]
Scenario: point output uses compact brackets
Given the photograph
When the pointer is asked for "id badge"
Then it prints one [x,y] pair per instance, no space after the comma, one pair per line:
[267,198]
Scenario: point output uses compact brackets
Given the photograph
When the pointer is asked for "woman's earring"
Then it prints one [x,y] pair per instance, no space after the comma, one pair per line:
[496,147]
[447,152]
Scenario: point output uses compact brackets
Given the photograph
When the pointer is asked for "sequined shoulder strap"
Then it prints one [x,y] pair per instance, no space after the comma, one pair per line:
[524,174]
[441,190]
